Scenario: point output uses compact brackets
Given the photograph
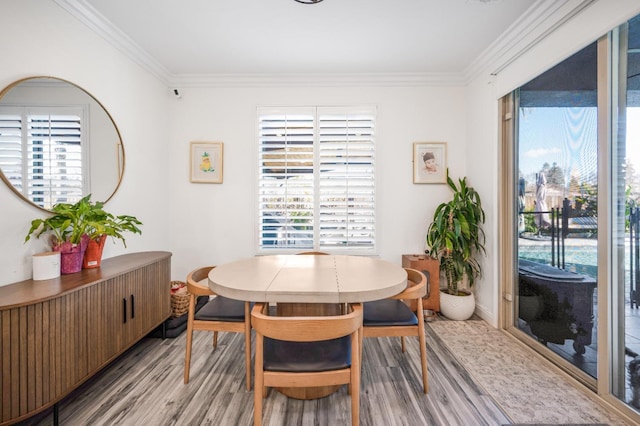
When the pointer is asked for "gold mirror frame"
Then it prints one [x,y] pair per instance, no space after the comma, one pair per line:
[93,141]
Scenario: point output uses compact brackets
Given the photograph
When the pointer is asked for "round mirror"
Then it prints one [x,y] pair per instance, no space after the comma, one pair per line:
[57,143]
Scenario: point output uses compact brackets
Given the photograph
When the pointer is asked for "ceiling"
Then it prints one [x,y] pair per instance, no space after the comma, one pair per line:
[228,37]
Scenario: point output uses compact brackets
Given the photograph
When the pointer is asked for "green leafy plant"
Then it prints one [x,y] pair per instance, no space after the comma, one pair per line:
[455,236]
[71,221]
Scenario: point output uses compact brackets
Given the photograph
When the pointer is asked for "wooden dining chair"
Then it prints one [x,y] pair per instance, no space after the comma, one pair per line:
[219,314]
[306,351]
[392,317]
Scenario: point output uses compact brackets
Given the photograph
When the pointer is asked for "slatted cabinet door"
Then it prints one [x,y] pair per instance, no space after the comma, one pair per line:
[104,323]
[143,302]
[43,352]
[125,308]
[152,301]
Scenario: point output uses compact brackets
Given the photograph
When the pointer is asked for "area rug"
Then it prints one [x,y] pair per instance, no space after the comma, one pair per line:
[523,384]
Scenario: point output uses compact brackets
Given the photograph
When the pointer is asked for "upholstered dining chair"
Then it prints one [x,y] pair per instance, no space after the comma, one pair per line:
[306,351]
[219,314]
[392,317]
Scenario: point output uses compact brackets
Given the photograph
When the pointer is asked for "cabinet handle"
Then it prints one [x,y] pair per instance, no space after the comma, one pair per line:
[124,310]
[133,307]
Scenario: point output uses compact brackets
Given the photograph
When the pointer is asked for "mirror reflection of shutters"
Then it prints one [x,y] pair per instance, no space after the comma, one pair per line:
[41,151]
[54,152]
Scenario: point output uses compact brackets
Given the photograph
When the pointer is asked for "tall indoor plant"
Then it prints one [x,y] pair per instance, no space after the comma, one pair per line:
[455,238]
[75,227]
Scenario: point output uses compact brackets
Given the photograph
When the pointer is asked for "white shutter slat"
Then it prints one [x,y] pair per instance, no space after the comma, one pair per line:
[330,151]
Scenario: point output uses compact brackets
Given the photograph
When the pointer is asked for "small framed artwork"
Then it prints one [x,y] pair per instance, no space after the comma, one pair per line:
[429,162]
[206,162]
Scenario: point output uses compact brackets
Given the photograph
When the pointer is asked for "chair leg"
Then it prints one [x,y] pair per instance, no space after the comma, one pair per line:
[404,348]
[215,340]
[354,385]
[187,357]
[423,352]
[258,386]
[257,405]
[247,344]
[360,339]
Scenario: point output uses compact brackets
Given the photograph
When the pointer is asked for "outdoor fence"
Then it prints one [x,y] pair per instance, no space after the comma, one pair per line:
[567,220]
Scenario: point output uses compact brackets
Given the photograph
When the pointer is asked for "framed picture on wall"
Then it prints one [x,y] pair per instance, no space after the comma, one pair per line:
[429,162]
[206,162]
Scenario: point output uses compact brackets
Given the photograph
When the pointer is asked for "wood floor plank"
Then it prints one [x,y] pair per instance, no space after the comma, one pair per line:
[145,386]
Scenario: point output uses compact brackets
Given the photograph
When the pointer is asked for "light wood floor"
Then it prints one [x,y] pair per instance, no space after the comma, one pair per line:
[145,387]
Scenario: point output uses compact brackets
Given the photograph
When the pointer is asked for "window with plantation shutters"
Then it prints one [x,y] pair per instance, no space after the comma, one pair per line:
[41,153]
[316,188]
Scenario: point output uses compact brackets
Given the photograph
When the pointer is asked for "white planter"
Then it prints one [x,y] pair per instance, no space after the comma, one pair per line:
[457,308]
[46,266]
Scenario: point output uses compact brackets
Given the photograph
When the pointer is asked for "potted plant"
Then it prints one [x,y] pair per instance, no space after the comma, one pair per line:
[101,225]
[455,238]
[74,227]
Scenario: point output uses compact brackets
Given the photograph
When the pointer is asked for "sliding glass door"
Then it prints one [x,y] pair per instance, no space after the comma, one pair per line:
[574,144]
[625,320]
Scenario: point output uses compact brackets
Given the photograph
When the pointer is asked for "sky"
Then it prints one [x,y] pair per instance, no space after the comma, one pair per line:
[566,136]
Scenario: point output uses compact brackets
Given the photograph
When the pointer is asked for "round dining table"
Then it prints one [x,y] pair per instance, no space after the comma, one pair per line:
[308,285]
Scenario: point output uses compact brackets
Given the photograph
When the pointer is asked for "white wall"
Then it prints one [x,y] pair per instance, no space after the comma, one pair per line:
[222,218]
[211,224]
[482,155]
[39,38]
[466,118]
[203,223]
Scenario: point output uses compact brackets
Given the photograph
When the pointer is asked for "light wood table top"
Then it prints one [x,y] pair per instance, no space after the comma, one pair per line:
[308,279]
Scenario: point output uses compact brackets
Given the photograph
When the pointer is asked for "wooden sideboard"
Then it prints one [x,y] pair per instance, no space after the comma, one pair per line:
[55,334]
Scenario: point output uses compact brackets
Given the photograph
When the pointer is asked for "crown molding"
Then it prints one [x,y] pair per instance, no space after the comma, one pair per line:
[542,18]
[93,19]
[318,80]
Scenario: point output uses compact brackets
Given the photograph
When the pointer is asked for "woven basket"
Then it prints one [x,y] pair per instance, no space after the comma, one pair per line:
[180,299]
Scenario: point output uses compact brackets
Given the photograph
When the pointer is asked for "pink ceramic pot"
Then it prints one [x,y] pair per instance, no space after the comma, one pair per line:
[71,255]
